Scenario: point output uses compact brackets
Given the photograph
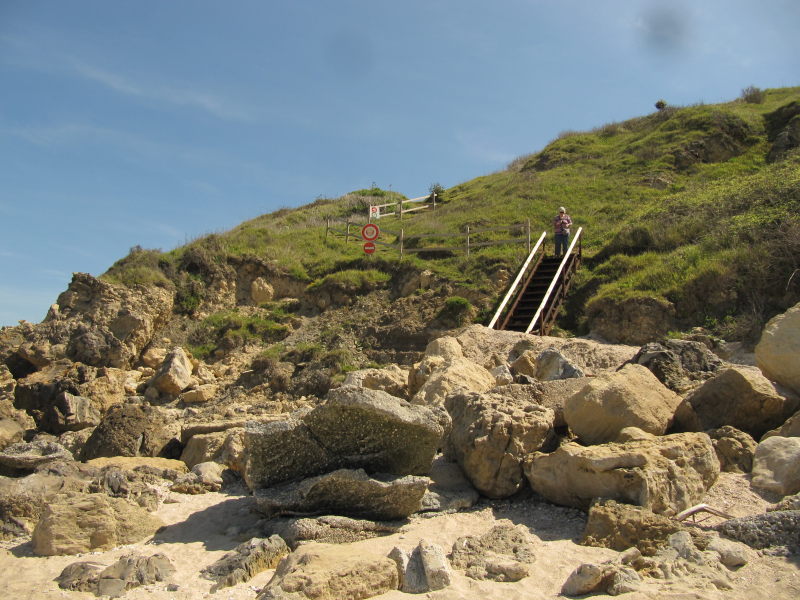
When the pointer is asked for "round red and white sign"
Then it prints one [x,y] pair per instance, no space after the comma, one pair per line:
[370,232]
[369,247]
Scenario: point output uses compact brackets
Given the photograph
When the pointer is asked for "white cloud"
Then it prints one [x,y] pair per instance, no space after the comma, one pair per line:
[218,106]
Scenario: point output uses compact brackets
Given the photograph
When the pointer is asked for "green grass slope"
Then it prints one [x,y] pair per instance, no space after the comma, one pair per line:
[697,207]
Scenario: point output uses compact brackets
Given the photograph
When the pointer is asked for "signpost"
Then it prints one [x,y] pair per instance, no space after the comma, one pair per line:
[370,233]
[374,212]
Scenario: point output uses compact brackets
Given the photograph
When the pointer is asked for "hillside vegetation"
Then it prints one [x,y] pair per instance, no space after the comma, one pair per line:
[696,208]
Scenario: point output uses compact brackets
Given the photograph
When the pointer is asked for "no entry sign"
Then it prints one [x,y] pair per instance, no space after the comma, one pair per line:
[369,247]
[370,232]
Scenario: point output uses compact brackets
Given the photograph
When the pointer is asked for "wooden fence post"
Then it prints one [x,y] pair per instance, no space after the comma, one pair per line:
[327,226]
[347,234]
[400,209]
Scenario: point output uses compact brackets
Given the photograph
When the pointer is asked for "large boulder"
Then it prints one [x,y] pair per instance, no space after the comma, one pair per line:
[65,396]
[26,457]
[175,373]
[734,449]
[351,493]
[678,364]
[76,523]
[355,428]
[622,526]
[98,323]
[391,379]
[492,434]
[444,369]
[131,430]
[778,351]
[631,397]
[664,474]
[331,572]
[776,465]
[631,321]
[246,560]
[738,396]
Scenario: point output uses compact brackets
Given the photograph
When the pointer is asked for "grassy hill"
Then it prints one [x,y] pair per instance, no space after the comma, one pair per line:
[696,207]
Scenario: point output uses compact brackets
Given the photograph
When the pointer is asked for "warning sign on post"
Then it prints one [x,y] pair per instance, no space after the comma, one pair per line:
[369,247]
[374,212]
[370,232]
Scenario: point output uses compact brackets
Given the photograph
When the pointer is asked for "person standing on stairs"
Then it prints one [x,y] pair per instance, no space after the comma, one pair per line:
[561,224]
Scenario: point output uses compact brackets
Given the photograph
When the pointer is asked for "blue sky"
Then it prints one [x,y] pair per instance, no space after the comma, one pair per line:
[152,122]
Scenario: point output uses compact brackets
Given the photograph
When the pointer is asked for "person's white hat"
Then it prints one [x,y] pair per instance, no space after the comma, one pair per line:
[562,209]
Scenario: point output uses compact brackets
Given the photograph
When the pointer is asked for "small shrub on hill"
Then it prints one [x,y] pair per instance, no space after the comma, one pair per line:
[753,95]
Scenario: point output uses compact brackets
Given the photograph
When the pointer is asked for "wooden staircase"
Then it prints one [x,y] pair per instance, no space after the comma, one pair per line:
[539,290]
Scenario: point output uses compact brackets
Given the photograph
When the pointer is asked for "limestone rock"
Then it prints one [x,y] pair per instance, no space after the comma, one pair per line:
[504,553]
[261,291]
[98,323]
[791,428]
[551,365]
[77,523]
[28,456]
[325,572]
[631,397]
[736,396]
[153,357]
[449,489]
[778,351]
[175,373]
[392,380]
[734,449]
[200,394]
[776,465]
[622,526]
[131,430]
[491,436]
[329,529]
[345,492]
[774,529]
[131,571]
[203,447]
[678,363]
[355,428]
[456,373]
[665,475]
[788,503]
[80,576]
[10,432]
[22,499]
[246,561]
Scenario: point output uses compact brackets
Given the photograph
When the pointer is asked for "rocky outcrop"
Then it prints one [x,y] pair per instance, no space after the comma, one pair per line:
[392,380]
[491,436]
[631,397]
[504,553]
[175,373]
[245,561]
[423,569]
[776,465]
[329,529]
[97,323]
[77,523]
[325,572]
[678,364]
[738,396]
[443,370]
[775,530]
[734,449]
[131,430]
[355,428]
[622,526]
[778,351]
[345,492]
[664,474]
[26,457]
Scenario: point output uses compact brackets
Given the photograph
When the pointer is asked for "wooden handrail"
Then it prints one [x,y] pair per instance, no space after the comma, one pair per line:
[517,280]
[554,281]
